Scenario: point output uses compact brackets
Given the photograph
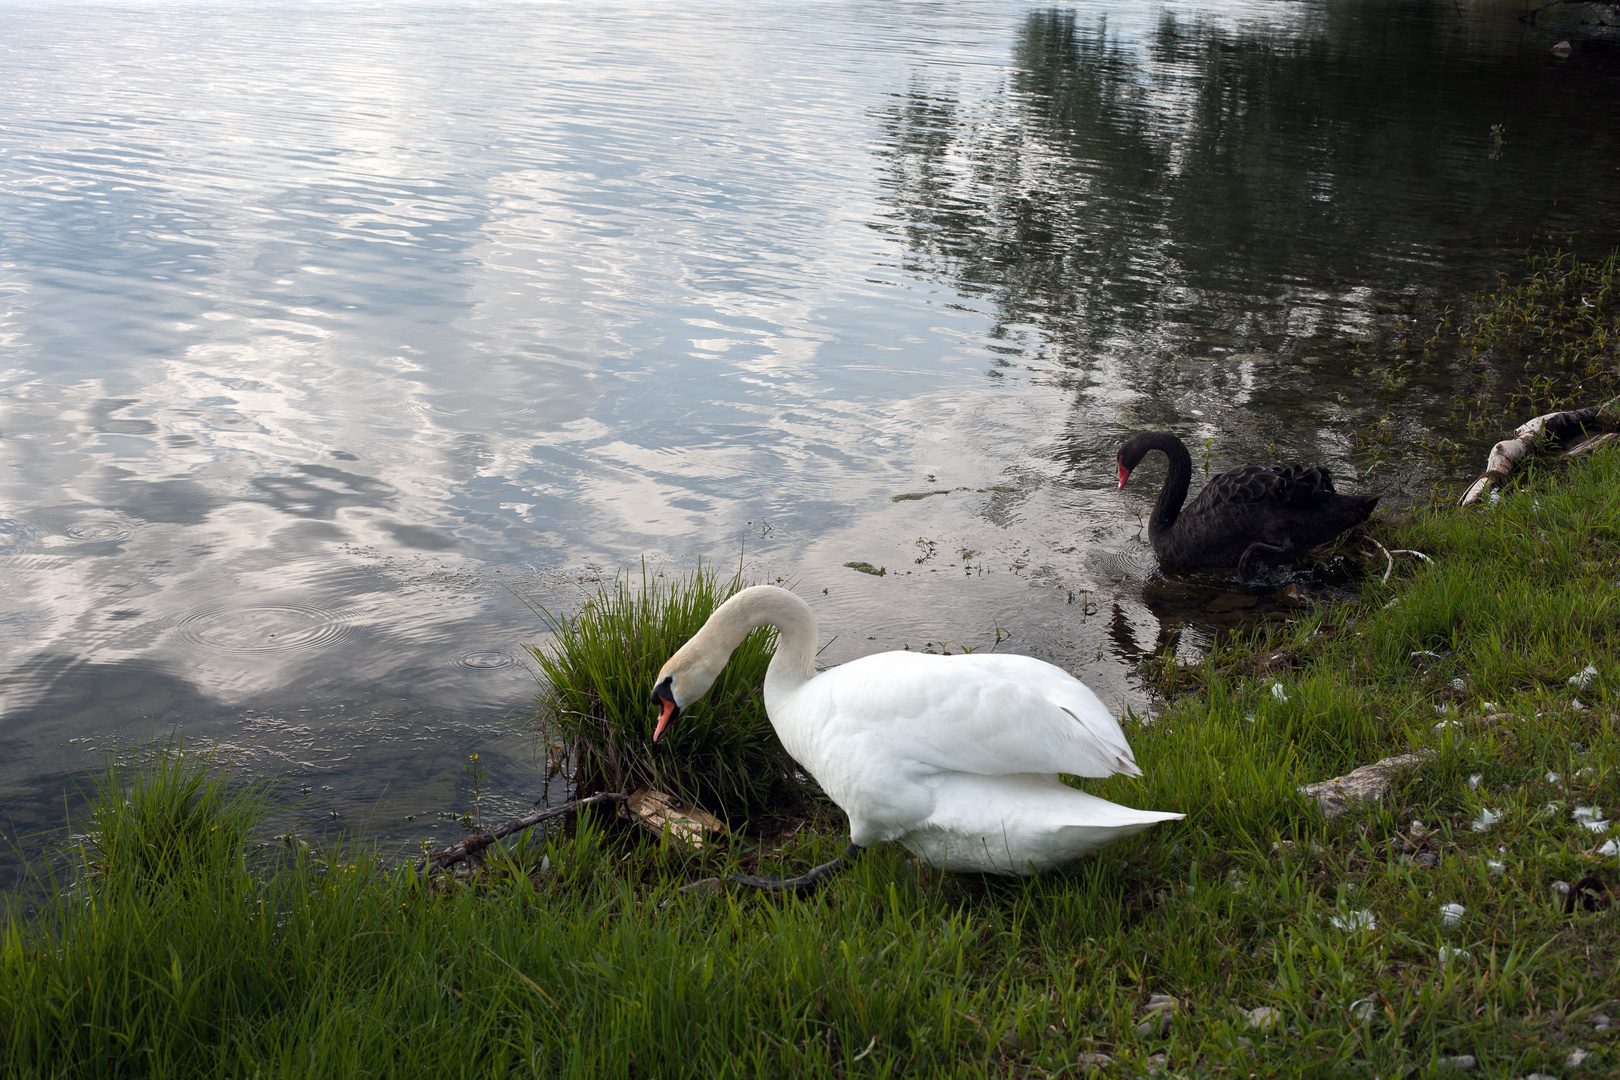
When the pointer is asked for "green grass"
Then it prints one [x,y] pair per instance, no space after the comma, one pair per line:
[190,959]
[599,672]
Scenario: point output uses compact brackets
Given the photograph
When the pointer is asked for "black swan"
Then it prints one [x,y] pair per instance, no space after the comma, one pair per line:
[1255,513]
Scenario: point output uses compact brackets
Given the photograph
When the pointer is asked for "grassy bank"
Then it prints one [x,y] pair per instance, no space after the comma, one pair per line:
[175,954]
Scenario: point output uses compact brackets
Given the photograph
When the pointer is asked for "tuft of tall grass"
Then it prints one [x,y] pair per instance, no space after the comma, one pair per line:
[599,670]
[169,811]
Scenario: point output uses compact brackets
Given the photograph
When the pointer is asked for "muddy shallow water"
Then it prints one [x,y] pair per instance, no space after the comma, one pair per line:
[333,336]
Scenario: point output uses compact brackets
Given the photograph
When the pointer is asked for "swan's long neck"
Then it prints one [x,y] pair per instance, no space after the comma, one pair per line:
[1174,492]
[760,605]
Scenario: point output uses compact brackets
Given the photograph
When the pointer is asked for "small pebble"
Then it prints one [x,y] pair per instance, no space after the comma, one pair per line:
[1460,1061]
[1427,860]
[1265,1017]
[1561,888]
[1452,914]
[1601,1022]
[1158,1011]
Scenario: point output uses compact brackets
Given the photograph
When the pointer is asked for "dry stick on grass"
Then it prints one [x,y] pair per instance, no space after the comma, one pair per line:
[1389,557]
[473,846]
[1531,436]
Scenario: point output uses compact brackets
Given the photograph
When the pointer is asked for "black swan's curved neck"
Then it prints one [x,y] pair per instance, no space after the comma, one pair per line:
[1174,492]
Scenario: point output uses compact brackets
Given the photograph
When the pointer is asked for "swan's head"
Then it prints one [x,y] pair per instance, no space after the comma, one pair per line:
[1137,447]
[1131,455]
[685,678]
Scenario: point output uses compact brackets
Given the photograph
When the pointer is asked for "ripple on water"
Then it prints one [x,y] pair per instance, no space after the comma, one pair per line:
[266,627]
[492,659]
[1134,562]
[98,530]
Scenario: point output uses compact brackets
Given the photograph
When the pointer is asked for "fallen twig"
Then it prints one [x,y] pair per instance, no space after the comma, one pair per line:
[1551,427]
[1389,557]
[473,846]
[1389,560]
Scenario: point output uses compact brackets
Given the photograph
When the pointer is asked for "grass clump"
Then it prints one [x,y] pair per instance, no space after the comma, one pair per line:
[599,670]
[154,820]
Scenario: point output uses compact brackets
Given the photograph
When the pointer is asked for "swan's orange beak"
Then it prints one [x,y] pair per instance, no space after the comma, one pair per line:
[665,715]
[663,696]
[1124,475]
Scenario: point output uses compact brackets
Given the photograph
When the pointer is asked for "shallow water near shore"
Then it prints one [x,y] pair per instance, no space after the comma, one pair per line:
[334,336]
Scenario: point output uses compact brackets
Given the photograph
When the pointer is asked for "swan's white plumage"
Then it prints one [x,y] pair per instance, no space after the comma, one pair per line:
[956,757]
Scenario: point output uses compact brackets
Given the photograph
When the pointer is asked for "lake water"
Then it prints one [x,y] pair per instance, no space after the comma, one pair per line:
[329,332]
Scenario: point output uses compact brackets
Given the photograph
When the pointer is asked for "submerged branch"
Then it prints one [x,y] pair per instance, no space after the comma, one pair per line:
[473,846]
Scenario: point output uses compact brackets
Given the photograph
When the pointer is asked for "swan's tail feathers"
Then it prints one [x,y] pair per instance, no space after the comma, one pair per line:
[1125,766]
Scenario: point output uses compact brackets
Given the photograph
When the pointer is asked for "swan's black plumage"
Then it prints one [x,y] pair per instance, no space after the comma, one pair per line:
[1253,514]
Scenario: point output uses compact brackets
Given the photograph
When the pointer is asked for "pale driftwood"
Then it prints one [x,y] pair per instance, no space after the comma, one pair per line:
[1366,784]
[473,846]
[656,812]
[1596,442]
[1532,436]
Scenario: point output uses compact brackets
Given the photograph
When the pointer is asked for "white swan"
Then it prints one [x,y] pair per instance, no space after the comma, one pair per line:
[956,757]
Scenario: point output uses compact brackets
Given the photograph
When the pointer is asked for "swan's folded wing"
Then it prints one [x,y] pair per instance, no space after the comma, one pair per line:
[990,716]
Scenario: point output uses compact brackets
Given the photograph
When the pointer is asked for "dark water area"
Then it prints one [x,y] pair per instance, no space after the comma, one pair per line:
[333,336]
